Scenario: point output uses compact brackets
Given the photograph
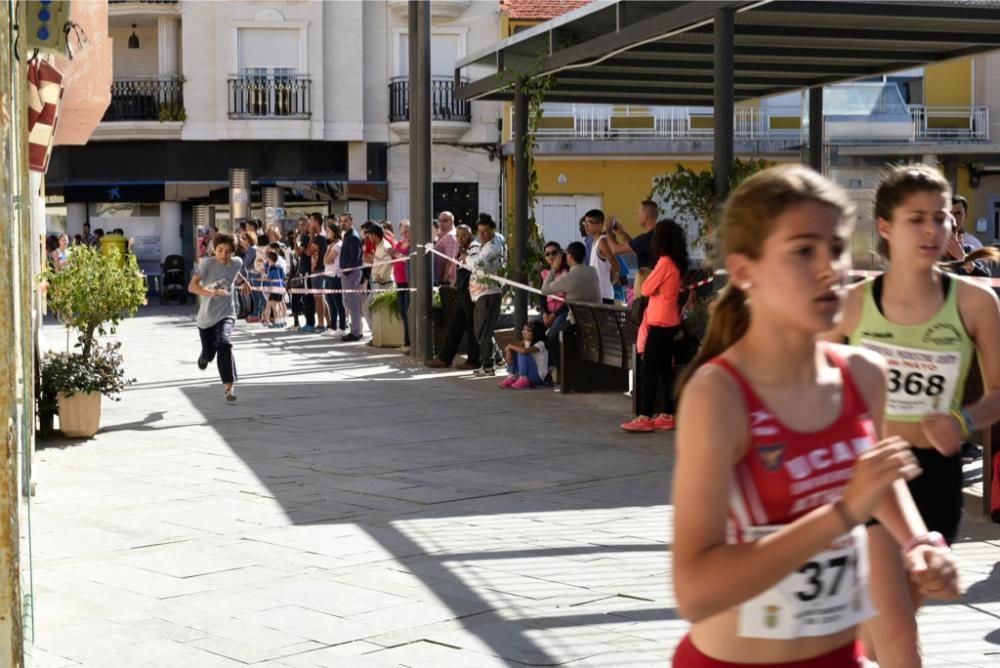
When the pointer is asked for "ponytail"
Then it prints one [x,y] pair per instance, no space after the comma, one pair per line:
[729,321]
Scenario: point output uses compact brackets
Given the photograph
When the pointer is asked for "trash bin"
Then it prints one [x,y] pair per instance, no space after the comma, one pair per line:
[114,245]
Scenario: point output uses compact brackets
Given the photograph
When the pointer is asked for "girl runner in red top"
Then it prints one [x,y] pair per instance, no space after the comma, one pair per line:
[779,462]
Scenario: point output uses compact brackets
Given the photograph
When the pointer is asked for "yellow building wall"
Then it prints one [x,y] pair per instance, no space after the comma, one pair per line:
[622,184]
[948,83]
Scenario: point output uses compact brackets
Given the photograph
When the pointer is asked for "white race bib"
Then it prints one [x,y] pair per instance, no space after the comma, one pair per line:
[921,382]
[825,596]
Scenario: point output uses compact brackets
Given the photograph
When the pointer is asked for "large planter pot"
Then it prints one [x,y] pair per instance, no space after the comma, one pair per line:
[387,329]
[80,414]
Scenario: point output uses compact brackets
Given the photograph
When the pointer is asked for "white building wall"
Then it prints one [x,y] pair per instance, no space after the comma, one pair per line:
[344,37]
[377,59]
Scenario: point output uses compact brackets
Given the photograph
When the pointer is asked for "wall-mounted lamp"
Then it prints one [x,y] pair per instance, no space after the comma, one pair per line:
[133,40]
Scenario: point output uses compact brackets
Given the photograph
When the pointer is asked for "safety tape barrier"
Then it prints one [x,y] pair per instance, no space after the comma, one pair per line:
[481,275]
[325,291]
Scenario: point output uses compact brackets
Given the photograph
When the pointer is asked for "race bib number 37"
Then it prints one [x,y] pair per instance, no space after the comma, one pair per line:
[827,595]
[921,382]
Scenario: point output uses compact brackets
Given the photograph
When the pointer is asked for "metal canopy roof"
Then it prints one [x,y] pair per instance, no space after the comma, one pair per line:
[659,52]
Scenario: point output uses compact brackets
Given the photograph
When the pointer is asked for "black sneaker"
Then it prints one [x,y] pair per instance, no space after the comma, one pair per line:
[202,364]
[971,452]
[350,338]
[484,371]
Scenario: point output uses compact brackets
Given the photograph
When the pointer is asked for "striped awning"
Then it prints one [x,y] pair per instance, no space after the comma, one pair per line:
[44,99]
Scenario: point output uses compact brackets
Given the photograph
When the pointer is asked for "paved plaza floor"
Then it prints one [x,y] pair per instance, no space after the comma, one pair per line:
[356,510]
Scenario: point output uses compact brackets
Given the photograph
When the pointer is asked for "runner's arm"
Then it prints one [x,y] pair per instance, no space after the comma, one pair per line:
[980,310]
[711,576]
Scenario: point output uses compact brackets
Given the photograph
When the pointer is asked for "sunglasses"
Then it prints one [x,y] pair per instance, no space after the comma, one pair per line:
[551,253]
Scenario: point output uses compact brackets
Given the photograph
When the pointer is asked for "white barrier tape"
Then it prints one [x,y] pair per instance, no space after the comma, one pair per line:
[326,291]
[491,277]
[370,265]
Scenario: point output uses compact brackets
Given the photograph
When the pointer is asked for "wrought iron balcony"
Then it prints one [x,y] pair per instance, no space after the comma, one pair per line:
[150,99]
[276,96]
[445,106]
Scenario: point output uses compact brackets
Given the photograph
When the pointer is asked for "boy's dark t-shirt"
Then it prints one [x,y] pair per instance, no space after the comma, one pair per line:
[640,245]
[321,243]
[305,262]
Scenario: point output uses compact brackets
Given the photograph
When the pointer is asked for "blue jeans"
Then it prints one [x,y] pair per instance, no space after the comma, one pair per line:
[525,365]
[258,299]
[335,300]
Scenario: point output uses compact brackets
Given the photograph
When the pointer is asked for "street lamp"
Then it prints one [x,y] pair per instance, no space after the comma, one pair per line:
[133,40]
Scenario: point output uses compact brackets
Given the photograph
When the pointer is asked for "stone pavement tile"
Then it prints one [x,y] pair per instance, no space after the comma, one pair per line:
[158,654]
[221,603]
[621,659]
[135,580]
[310,624]
[325,595]
[408,616]
[85,639]
[42,659]
[517,642]
[182,560]
[251,651]
[424,654]
[351,655]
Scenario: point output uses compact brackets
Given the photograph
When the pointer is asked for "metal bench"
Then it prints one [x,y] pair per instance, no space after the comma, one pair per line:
[596,351]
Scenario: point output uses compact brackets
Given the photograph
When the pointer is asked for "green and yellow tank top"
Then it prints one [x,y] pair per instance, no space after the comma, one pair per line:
[928,363]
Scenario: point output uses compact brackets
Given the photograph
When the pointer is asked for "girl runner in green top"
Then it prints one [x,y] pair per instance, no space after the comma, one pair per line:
[928,325]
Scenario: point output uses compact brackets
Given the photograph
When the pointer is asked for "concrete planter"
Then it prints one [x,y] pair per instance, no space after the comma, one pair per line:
[80,414]
[387,329]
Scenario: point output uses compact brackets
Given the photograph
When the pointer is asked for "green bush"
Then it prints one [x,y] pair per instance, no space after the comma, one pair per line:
[69,373]
[386,301]
[93,292]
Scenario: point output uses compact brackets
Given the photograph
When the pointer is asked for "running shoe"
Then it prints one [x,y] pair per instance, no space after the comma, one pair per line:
[663,422]
[230,395]
[484,371]
[306,329]
[522,383]
[330,332]
[202,363]
[507,382]
[641,424]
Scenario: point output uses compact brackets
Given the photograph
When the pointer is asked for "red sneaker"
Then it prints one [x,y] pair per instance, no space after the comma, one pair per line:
[640,424]
[663,422]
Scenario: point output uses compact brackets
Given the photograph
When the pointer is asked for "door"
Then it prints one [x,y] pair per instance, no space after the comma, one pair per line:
[461,199]
[558,216]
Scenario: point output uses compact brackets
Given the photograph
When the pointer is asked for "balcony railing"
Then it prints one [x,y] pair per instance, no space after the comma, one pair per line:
[270,96]
[444,105]
[780,123]
[151,99]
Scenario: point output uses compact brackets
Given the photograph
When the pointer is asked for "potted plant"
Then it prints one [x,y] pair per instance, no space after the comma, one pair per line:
[79,382]
[387,323]
[91,293]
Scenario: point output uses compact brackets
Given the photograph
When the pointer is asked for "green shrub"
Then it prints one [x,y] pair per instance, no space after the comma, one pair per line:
[69,373]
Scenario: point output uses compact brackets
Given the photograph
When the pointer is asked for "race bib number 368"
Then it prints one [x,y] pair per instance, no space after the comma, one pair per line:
[921,382]
[826,595]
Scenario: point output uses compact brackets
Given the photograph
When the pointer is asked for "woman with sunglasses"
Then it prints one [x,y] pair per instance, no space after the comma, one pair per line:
[553,307]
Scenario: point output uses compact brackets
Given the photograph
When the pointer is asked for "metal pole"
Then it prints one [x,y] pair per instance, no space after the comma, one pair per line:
[422,335]
[816,128]
[239,199]
[521,232]
[724,99]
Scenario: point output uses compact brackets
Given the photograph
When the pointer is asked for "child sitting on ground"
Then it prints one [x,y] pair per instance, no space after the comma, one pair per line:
[527,361]
[276,311]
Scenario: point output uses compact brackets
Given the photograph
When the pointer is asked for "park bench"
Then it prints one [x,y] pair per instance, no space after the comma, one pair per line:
[596,352]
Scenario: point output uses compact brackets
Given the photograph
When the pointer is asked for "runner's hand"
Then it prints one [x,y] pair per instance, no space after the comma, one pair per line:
[935,571]
[943,432]
[875,471]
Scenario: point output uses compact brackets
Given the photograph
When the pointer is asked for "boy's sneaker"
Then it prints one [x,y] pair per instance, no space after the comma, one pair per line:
[663,422]
[507,382]
[640,424]
[522,383]
[484,371]
[202,363]
[350,338]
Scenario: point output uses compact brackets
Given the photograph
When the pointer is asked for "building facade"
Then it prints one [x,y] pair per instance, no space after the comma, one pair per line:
[310,97]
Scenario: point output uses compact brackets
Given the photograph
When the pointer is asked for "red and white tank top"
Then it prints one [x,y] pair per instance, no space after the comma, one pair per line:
[786,473]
